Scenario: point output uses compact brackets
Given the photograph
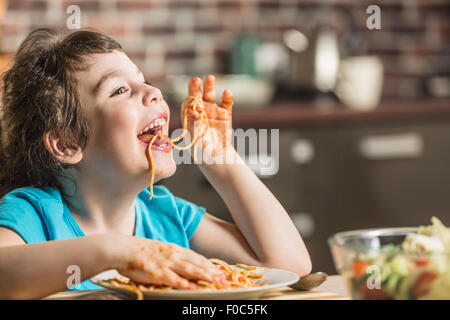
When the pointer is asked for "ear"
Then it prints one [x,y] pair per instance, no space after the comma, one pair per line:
[54,144]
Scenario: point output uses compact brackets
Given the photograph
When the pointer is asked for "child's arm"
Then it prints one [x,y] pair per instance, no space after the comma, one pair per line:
[263,232]
[31,271]
[37,270]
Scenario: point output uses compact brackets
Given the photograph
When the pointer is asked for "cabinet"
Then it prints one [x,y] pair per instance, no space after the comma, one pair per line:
[338,178]
[394,189]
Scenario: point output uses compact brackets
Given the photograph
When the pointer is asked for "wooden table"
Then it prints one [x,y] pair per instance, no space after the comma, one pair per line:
[332,289]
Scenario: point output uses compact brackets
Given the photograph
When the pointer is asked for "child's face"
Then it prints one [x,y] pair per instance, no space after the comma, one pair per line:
[118,105]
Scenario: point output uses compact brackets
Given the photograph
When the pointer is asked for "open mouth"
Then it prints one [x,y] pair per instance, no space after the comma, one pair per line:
[154,128]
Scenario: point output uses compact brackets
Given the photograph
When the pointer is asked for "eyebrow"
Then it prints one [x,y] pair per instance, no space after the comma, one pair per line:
[110,75]
[104,78]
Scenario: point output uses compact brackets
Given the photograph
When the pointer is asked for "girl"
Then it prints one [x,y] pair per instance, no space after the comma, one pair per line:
[74,178]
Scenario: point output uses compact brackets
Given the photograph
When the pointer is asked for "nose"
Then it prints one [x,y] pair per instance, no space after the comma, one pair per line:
[152,95]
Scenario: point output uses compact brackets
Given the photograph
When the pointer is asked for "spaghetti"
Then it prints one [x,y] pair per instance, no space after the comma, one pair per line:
[195,141]
[238,279]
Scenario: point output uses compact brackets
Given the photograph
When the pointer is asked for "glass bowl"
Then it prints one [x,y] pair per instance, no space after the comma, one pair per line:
[374,266]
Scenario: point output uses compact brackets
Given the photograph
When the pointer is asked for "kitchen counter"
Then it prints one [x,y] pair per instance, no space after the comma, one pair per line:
[298,114]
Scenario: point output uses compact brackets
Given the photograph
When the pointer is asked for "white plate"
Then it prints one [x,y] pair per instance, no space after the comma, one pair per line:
[273,278]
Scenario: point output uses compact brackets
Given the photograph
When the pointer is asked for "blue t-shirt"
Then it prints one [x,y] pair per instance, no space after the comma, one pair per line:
[40,215]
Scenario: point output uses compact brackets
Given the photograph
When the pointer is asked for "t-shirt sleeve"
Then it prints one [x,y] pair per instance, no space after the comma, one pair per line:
[191,215]
[22,214]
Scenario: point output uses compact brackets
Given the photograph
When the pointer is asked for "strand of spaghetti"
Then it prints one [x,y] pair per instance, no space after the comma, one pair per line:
[234,276]
[255,275]
[144,288]
[193,142]
[203,117]
[194,105]
[204,120]
[196,138]
[244,266]
[131,287]
[150,157]
[184,127]
[182,148]
[223,264]
[139,294]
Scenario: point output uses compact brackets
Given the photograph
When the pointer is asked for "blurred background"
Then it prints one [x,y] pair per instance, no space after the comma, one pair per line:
[363,112]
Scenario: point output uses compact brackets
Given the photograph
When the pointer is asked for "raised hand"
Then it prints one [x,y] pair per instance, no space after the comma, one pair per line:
[218,136]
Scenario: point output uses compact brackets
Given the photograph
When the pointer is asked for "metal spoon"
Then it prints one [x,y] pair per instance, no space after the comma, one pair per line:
[310,281]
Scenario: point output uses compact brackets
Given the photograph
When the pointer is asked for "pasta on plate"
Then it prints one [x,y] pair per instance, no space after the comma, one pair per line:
[240,276]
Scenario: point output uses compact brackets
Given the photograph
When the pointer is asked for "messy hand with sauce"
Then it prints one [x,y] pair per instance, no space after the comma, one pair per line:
[218,136]
[155,262]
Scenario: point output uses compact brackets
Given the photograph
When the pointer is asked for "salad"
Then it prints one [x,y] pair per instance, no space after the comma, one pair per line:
[418,268]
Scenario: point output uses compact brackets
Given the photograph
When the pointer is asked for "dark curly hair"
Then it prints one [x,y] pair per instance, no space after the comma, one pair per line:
[39,96]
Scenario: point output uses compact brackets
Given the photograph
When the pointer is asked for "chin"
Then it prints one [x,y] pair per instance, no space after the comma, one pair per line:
[165,167]
[168,171]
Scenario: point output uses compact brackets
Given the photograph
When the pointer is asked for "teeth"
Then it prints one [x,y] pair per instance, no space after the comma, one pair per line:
[156,123]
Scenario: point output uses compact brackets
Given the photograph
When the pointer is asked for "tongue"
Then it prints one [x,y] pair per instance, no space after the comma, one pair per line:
[147,138]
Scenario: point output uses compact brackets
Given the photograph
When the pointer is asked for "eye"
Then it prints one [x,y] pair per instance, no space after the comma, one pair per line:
[147,83]
[121,90]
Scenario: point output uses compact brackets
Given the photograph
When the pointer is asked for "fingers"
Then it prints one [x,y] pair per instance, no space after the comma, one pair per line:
[192,272]
[192,112]
[194,87]
[205,264]
[227,100]
[197,104]
[201,261]
[209,93]
[197,266]
[173,280]
[171,265]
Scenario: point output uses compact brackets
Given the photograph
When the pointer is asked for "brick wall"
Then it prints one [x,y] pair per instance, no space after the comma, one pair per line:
[194,36]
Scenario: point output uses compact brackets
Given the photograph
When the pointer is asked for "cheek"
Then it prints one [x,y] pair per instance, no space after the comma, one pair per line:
[116,126]
[124,120]
[112,129]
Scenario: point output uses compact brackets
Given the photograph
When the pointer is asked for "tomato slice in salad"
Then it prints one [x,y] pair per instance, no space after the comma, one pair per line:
[421,261]
[359,268]
[373,294]
[422,284]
